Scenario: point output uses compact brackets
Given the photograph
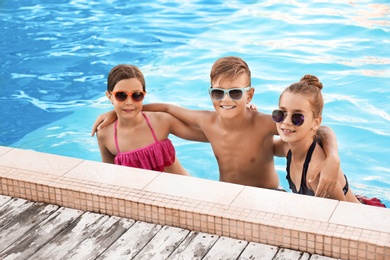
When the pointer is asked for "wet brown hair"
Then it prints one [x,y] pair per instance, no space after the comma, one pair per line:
[310,87]
[124,71]
[228,69]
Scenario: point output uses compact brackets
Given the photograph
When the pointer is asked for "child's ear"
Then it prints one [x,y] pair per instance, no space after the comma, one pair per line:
[317,122]
[109,95]
[250,95]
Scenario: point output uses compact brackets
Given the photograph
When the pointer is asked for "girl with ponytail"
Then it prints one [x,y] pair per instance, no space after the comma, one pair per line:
[297,120]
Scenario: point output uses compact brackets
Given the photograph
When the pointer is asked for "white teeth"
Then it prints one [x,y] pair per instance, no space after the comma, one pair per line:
[227,107]
[287,130]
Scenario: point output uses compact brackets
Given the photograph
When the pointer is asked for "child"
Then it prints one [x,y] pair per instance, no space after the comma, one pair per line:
[242,139]
[131,140]
[298,118]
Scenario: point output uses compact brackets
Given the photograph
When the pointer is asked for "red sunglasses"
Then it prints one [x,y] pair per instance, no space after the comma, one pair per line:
[121,96]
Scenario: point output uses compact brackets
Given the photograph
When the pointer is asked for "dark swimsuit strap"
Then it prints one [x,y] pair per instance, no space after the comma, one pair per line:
[306,165]
[346,186]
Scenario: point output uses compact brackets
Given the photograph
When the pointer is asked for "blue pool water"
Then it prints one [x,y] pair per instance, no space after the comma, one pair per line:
[55,56]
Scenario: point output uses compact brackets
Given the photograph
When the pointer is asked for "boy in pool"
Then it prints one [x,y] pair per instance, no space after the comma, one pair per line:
[297,120]
[140,139]
[242,139]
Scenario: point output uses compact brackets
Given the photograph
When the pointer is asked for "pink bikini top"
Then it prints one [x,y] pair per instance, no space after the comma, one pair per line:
[154,157]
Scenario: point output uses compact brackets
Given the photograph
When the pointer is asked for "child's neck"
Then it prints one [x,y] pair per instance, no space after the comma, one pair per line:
[299,149]
[125,122]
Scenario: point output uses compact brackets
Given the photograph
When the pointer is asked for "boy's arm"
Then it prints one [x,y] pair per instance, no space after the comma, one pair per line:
[336,194]
[190,117]
[330,167]
[184,131]
[103,120]
[280,147]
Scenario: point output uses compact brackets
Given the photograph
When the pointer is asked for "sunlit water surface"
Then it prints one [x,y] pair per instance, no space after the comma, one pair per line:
[56,55]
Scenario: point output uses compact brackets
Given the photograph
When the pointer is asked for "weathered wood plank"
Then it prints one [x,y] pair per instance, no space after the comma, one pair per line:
[254,251]
[101,239]
[226,248]
[4,199]
[24,222]
[30,230]
[11,209]
[70,237]
[288,254]
[194,246]
[163,243]
[132,241]
[46,230]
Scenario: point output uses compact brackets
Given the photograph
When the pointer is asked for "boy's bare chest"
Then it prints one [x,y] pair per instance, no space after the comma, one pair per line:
[225,138]
[235,146]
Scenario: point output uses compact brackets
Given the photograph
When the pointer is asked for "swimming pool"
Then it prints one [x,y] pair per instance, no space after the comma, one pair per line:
[56,55]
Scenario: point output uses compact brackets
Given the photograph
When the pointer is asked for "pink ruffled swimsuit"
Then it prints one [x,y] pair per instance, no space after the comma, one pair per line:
[154,157]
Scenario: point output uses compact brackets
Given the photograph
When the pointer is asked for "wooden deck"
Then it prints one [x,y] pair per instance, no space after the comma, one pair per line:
[31,230]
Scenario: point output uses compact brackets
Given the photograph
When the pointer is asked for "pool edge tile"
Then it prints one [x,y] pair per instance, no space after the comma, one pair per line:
[38,161]
[202,210]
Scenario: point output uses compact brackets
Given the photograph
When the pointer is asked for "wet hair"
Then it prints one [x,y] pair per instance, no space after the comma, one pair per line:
[124,71]
[310,87]
[228,69]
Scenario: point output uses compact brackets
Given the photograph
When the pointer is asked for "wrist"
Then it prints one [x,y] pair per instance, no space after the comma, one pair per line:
[333,158]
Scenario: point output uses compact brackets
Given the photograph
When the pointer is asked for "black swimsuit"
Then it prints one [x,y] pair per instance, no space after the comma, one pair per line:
[303,189]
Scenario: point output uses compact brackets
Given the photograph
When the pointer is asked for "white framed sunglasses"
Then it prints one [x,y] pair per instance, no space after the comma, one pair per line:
[234,93]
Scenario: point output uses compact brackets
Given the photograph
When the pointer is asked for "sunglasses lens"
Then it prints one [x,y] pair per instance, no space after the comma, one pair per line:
[277,116]
[121,96]
[297,119]
[217,94]
[137,96]
[235,94]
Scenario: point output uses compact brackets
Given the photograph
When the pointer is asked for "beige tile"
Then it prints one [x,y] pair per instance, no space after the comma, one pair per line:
[112,174]
[38,162]
[4,149]
[195,188]
[285,203]
[362,216]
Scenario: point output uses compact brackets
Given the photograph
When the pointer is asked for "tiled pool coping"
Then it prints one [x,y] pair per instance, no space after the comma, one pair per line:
[309,224]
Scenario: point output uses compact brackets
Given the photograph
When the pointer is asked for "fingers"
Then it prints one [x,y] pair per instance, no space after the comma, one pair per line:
[94,129]
[96,126]
[251,107]
[321,191]
[325,190]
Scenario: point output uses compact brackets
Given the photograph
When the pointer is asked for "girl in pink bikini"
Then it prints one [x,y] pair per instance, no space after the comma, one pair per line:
[140,139]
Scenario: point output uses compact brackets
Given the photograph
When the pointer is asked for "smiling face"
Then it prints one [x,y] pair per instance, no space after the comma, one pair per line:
[297,103]
[227,107]
[128,108]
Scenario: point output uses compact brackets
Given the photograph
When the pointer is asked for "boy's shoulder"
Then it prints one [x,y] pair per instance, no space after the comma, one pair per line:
[264,121]
[259,116]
